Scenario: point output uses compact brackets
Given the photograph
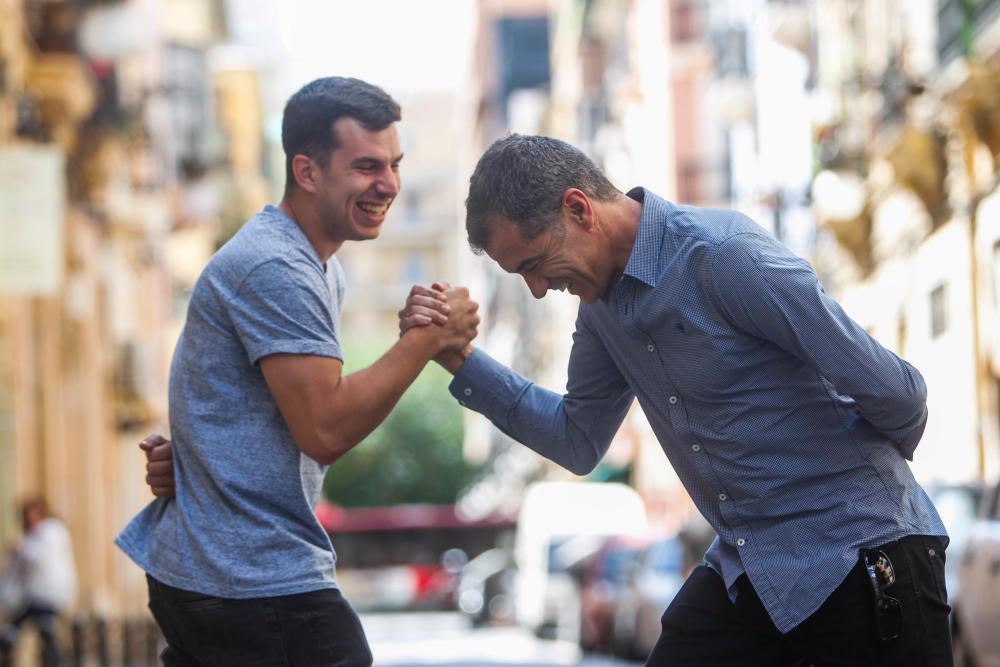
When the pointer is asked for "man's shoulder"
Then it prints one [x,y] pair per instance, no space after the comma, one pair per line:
[714,225]
[267,239]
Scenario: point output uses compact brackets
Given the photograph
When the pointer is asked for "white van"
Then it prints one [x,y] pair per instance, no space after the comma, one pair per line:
[559,523]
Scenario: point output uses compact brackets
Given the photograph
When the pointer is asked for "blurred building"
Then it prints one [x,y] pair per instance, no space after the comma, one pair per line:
[510,90]
[906,192]
[128,148]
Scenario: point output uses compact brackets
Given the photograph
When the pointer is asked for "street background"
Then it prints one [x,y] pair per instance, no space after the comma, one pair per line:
[136,136]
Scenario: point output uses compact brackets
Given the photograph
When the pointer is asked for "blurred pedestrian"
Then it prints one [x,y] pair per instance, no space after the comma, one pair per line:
[38,582]
[788,424]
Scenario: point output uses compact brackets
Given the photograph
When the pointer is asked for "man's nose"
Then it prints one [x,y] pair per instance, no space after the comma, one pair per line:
[388,183]
[538,286]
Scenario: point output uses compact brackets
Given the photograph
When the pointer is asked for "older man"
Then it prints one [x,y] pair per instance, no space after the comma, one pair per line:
[787,423]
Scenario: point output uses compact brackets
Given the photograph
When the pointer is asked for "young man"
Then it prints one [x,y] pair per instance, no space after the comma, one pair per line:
[240,572]
[788,424]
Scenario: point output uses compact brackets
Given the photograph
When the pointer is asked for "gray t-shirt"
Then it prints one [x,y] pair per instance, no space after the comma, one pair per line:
[242,524]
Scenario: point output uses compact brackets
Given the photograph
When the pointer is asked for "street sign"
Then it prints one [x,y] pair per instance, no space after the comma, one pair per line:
[32,209]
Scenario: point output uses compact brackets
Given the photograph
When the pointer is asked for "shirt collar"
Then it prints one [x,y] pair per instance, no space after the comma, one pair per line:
[644,261]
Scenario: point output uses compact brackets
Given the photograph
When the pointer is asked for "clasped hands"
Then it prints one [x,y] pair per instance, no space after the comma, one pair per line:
[448,307]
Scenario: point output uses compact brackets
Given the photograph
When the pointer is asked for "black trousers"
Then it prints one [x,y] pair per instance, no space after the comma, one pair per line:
[317,629]
[702,627]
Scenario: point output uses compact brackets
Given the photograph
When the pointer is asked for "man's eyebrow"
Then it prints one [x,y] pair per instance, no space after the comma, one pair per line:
[371,159]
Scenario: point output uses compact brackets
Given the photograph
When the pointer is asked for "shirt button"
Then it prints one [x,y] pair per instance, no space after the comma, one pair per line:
[467,391]
[673,400]
[696,448]
[740,542]
[650,348]
[723,497]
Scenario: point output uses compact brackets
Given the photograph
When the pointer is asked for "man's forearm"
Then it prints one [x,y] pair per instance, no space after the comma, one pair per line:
[365,398]
[542,420]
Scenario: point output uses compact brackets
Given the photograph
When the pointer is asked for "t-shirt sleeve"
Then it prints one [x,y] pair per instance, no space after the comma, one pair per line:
[284,306]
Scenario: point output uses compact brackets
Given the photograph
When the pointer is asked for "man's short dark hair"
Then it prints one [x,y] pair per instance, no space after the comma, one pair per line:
[522,178]
[307,124]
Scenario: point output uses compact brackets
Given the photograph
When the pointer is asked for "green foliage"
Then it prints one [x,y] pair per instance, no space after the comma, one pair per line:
[415,456]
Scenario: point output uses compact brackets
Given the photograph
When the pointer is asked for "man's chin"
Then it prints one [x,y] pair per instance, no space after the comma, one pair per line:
[368,232]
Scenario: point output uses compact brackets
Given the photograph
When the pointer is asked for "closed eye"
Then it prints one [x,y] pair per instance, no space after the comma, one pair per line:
[527,265]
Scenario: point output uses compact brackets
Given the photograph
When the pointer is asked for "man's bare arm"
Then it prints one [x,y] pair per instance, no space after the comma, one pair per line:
[328,413]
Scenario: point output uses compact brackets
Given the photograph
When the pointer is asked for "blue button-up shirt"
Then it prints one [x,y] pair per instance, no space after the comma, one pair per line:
[786,422]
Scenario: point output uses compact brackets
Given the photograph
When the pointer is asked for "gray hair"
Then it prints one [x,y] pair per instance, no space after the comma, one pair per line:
[522,178]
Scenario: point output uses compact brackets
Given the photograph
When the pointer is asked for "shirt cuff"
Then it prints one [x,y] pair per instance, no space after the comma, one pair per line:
[485,385]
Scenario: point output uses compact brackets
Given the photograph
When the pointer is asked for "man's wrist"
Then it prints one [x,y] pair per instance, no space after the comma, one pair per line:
[452,360]
[422,338]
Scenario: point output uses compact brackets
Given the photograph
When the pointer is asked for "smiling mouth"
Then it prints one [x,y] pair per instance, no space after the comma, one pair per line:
[373,209]
[561,286]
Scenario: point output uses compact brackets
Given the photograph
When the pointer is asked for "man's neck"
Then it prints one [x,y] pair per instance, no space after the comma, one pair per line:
[624,216]
[305,216]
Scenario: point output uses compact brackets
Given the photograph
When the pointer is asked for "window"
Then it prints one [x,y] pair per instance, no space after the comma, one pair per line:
[414,268]
[685,20]
[411,209]
[939,310]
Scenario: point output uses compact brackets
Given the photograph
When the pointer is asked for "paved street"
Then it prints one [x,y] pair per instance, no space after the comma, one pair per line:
[446,640]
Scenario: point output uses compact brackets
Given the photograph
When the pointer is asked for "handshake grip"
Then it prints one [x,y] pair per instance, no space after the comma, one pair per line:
[444,310]
[462,325]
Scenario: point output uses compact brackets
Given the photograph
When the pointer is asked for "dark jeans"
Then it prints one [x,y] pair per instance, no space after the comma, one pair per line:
[317,629]
[702,627]
[44,619]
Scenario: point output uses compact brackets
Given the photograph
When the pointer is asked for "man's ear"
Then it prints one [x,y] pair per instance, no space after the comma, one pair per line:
[306,172]
[577,208]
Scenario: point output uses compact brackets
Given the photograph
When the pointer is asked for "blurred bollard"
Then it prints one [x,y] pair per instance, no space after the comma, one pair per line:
[79,635]
[7,639]
[152,643]
[128,628]
[103,655]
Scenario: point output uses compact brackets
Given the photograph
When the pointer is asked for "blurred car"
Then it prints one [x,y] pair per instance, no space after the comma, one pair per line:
[604,577]
[658,574]
[485,588]
[557,523]
[958,506]
[976,617]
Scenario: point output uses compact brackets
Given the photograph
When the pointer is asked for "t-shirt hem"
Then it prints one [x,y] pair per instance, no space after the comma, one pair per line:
[210,588]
